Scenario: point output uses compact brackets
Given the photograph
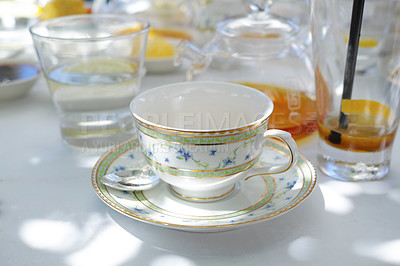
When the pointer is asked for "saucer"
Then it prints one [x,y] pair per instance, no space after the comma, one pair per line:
[159,65]
[258,198]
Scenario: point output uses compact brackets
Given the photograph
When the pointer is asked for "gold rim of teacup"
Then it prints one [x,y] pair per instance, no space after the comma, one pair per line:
[166,130]
[197,144]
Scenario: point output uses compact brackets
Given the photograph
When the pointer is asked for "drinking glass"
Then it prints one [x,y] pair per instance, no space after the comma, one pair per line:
[356,131]
[16,16]
[93,65]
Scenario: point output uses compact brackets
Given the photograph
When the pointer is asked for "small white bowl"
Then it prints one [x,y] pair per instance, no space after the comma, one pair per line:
[16,79]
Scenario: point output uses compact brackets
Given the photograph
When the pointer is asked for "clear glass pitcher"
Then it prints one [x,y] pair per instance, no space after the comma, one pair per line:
[260,50]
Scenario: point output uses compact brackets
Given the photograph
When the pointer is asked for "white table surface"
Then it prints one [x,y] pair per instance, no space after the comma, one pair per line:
[50,214]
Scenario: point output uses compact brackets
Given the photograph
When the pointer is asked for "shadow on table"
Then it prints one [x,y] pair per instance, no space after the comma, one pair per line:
[232,243]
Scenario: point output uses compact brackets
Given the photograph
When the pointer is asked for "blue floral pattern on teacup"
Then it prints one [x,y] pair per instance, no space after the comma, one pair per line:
[211,162]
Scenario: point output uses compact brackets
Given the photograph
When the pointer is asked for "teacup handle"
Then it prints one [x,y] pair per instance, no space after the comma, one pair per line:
[286,138]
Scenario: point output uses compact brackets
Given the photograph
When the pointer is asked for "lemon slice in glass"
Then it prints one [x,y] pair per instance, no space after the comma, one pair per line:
[101,65]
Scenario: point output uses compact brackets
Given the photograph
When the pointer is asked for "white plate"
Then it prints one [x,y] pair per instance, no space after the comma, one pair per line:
[160,65]
[258,199]
[10,50]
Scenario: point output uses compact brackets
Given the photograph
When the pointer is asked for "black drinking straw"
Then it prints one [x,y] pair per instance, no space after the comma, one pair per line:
[350,67]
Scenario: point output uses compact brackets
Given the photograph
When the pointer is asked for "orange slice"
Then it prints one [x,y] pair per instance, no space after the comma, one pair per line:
[358,106]
[158,47]
[168,33]
[58,8]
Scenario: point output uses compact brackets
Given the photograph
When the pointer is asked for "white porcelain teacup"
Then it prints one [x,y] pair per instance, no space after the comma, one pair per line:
[202,138]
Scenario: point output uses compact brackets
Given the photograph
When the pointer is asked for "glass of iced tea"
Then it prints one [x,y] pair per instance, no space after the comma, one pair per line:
[93,65]
[356,131]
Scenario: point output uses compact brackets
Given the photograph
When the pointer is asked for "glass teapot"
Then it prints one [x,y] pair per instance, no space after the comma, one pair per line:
[260,50]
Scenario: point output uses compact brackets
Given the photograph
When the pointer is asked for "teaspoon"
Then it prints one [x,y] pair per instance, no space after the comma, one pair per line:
[130,180]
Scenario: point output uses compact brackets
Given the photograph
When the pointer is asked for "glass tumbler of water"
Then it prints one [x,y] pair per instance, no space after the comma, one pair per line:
[356,129]
[93,65]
